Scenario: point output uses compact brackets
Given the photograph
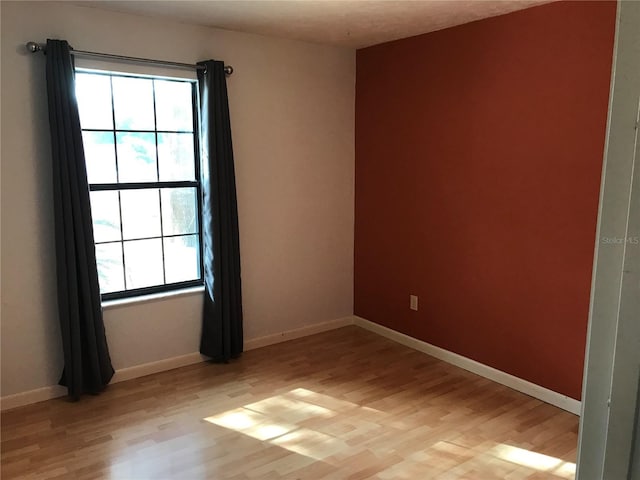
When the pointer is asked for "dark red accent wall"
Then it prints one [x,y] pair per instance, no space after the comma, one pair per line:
[478,159]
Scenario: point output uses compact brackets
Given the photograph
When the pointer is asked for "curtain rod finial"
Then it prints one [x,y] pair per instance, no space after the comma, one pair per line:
[33,47]
[228,69]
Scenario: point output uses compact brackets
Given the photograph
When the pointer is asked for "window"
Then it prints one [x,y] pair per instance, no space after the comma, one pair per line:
[141,150]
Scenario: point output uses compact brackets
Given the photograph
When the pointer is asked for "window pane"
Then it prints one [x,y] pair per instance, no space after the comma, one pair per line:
[182,258]
[174,105]
[141,130]
[137,157]
[175,154]
[133,103]
[100,154]
[143,260]
[179,211]
[93,93]
[140,213]
[110,271]
[105,212]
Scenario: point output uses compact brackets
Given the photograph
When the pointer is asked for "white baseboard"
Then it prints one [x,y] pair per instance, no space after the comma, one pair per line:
[297,333]
[541,393]
[524,386]
[32,396]
[155,367]
[54,391]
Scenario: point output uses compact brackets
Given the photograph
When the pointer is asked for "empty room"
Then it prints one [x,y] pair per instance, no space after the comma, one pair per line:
[320,239]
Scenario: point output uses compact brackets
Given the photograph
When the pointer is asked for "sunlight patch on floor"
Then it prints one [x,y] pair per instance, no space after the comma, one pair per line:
[279,420]
[310,443]
[254,424]
[534,460]
[449,461]
[287,421]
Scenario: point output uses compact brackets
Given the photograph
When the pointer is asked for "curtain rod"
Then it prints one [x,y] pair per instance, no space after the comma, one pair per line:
[34,47]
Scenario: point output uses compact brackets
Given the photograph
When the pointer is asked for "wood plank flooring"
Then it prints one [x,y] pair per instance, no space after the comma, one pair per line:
[345,404]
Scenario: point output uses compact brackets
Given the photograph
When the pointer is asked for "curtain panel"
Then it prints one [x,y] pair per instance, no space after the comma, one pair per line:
[222,337]
[87,364]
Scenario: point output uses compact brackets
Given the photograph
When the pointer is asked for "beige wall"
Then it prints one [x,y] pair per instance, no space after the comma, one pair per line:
[292,118]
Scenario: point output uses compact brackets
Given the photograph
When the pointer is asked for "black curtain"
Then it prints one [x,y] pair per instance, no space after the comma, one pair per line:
[222,316]
[87,365]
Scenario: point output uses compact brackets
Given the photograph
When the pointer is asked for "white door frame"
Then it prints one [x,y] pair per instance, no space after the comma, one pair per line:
[609,418]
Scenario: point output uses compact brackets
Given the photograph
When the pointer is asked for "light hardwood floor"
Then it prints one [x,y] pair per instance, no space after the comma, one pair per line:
[345,404]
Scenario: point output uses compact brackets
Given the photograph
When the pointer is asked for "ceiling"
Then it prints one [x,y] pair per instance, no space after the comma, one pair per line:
[347,23]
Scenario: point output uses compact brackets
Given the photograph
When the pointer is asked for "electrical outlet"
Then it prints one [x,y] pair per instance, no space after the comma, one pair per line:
[413,302]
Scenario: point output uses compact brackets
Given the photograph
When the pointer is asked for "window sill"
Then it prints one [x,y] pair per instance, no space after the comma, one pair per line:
[153,297]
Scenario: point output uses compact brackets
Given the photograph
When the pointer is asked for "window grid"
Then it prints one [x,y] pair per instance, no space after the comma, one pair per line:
[155,138]
[128,130]
[159,185]
[115,152]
